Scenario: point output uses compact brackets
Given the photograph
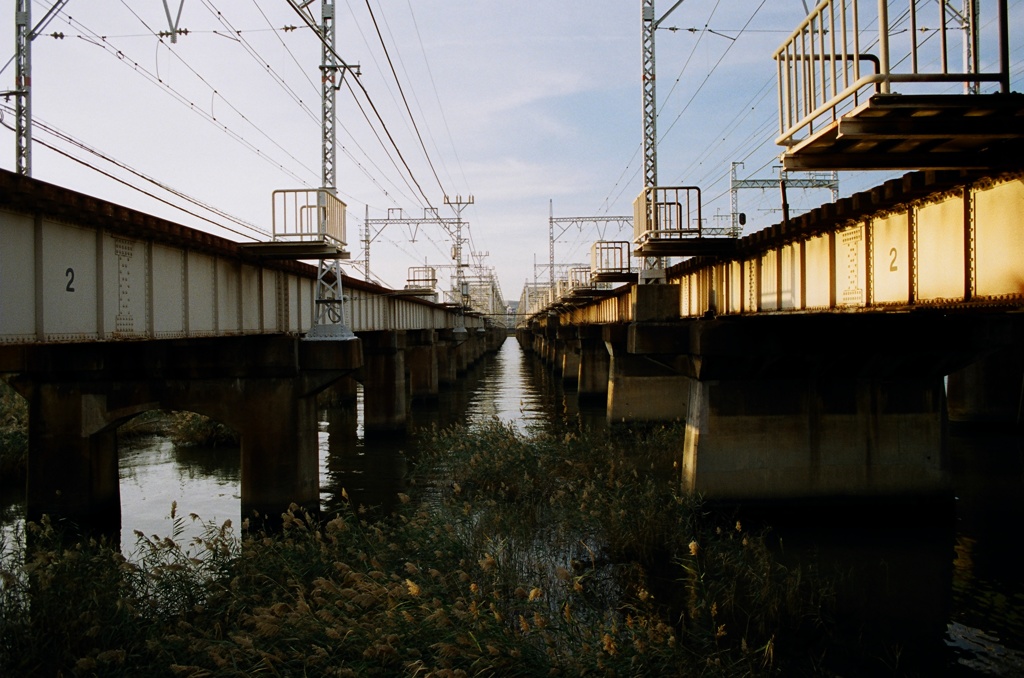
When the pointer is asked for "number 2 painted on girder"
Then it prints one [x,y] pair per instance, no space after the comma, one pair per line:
[70,275]
[892,264]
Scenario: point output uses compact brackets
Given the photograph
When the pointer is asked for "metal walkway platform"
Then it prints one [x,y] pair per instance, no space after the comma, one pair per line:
[900,131]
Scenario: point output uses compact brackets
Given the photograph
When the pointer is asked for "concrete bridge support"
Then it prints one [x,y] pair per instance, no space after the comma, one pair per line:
[549,345]
[804,438]
[264,387]
[421,363]
[845,406]
[385,390]
[644,388]
[461,353]
[477,345]
[447,361]
[570,354]
[646,379]
[72,465]
[594,363]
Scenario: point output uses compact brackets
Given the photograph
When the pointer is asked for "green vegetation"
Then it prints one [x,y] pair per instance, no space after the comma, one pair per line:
[512,556]
[13,435]
[191,429]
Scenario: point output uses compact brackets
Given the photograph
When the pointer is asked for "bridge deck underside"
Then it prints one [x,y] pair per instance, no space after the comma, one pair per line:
[684,247]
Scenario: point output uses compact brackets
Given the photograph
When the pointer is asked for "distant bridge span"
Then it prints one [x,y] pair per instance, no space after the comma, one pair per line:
[106,312]
[75,268]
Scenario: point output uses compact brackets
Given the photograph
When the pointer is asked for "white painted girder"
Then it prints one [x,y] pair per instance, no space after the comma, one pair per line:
[64,282]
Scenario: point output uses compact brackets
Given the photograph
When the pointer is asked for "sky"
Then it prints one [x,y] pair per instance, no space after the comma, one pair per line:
[532,107]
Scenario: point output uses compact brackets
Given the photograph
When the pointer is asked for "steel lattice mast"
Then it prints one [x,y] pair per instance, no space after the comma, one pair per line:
[650,112]
[22,85]
[329,316]
[329,71]
[649,24]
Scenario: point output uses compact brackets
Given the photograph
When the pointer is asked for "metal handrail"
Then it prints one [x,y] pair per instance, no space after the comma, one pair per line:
[307,215]
[819,69]
[610,256]
[667,212]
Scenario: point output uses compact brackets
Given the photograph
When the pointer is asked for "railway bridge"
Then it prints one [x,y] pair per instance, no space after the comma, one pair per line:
[823,357]
[106,312]
[811,359]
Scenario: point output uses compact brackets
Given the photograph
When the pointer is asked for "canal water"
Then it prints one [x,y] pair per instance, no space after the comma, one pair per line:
[953,593]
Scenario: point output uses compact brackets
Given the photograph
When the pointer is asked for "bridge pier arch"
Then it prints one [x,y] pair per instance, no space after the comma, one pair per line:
[263,386]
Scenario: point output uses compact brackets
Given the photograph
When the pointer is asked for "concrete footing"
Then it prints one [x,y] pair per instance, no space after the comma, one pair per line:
[801,438]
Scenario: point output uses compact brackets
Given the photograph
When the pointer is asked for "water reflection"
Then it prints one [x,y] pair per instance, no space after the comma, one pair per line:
[156,473]
[367,477]
[945,600]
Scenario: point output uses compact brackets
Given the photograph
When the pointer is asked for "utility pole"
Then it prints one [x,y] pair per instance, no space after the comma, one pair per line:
[330,298]
[601,224]
[396,217]
[366,245]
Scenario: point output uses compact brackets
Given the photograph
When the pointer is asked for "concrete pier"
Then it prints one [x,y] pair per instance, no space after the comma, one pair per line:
[594,365]
[447,363]
[569,349]
[772,439]
[385,396]
[421,364]
[790,408]
[646,376]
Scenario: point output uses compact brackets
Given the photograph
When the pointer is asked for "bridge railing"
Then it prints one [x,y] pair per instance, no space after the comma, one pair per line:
[667,213]
[610,257]
[308,215]
[421,278]
[580,278]
[827,67]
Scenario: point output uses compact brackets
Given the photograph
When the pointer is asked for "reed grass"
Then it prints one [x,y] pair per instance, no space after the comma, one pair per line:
[513,555]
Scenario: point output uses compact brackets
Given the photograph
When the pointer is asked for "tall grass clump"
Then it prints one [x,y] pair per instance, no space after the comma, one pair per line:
[13,434]
[563,554]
